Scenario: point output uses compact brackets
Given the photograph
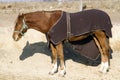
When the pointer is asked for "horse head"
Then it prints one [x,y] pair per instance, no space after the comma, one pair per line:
[20,27]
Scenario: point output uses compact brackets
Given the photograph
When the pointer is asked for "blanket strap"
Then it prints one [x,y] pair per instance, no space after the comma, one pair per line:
[68,25]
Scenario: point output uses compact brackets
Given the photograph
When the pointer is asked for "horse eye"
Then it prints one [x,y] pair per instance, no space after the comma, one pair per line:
[16,24]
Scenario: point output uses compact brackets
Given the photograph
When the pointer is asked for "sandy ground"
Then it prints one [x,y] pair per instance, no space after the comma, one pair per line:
[23,61]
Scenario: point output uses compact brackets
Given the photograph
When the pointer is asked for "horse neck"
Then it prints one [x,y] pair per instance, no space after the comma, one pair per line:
[42,21]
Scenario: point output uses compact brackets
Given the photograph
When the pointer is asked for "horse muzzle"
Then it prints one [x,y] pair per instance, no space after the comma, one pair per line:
[16,37]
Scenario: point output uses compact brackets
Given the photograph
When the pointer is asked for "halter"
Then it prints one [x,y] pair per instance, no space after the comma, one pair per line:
[24,26]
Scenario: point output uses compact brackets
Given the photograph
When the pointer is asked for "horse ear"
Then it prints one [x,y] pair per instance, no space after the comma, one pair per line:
[20,14]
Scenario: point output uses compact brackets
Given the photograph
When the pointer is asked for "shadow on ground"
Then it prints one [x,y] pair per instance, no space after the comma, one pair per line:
[41,47]
[30,49]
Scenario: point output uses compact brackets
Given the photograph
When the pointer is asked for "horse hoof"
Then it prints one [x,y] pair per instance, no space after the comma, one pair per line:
[103,70]
[51,73]
[62,73]
[104,67]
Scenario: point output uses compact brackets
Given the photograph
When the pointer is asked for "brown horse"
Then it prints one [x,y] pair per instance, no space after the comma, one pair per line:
[43,21]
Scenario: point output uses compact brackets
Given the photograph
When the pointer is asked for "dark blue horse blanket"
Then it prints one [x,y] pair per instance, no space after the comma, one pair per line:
[76,24]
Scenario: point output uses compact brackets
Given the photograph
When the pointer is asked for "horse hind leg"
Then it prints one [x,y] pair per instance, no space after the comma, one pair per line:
[101,42]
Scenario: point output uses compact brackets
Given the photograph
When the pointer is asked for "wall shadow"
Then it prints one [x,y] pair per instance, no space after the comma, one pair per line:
[42,48]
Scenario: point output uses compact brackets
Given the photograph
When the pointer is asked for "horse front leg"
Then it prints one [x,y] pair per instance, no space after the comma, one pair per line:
[101,41]
[59,48]
[54,59]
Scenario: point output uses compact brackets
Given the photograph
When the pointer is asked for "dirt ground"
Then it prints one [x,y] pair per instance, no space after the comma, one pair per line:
[29,58]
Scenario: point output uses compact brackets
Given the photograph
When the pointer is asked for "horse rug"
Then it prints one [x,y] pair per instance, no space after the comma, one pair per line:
[76,24]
